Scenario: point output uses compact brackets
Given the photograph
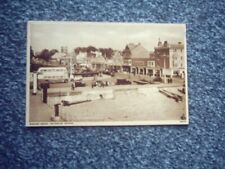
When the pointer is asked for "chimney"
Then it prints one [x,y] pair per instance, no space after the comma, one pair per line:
[159,43]
[165,44]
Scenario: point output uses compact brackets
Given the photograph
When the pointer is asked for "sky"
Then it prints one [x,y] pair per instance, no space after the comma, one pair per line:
[53,35]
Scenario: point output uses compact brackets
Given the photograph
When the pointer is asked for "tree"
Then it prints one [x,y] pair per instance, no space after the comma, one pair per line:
[126,52]
[77,50]
[91,49]
[46,55]
[109,53]
[102,50]
[52,52]
[31,53]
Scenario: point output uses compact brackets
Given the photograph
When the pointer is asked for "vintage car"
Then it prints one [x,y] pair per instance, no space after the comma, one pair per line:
[122,82]
[157,79]
[79,83]
[100,83]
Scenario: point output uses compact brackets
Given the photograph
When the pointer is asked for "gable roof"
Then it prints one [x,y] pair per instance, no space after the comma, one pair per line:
[138,51]
[117,59]
[98,59]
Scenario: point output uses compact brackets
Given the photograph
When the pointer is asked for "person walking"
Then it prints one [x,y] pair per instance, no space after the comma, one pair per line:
[73,85]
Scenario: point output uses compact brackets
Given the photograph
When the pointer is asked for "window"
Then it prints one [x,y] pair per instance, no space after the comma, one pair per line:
[151,63]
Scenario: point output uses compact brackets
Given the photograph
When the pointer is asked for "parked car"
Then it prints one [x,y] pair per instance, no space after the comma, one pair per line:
[79,83]
[100,83]
[157,79]
[86,73]
[107,72]
[89,73]
[78,78]
[122,82]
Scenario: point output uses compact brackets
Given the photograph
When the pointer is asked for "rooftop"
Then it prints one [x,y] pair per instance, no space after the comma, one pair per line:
[167,45]
[138,51]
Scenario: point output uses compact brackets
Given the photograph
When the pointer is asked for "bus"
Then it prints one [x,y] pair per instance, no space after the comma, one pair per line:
[53,74]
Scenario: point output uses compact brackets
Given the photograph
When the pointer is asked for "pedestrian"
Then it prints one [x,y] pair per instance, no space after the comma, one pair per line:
[107,83]
[73,85]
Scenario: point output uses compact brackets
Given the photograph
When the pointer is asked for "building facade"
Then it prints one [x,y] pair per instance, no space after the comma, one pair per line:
[135,59]
[167,60]
[97,61]
[171,58]
[177,58]
[115,64]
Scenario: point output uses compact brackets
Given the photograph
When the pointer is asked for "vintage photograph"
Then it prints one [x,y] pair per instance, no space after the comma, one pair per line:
[106,74]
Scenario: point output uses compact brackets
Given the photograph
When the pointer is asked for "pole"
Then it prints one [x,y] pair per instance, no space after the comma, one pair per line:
[56,110]
[45,95]
[55,116]
[45,87]
[34,83]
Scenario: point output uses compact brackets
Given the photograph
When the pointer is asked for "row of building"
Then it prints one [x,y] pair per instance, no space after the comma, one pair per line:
[166,60]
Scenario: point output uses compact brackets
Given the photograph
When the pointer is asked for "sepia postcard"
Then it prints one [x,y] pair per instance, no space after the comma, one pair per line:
[106,74]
